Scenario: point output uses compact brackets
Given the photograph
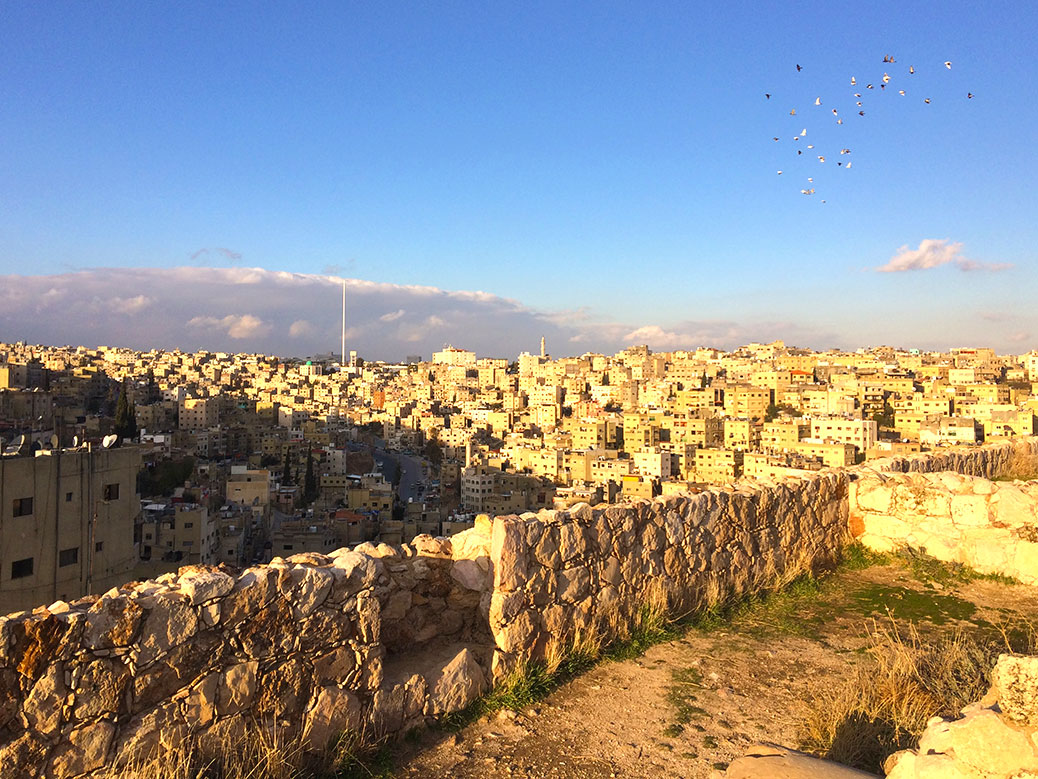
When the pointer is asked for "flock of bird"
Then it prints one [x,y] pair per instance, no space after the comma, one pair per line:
[882,82]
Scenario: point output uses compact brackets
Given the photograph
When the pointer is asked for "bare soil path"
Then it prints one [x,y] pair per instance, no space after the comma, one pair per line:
[688,707]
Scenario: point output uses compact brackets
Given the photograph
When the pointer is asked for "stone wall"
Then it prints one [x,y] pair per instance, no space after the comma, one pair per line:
[379,639]
[996,737]
[989,526]
[301,643]
[560,574]
[989,461]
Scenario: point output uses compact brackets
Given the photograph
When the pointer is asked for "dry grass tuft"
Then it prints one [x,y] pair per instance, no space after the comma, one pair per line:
[258,753]
[1022,465]
[885,704]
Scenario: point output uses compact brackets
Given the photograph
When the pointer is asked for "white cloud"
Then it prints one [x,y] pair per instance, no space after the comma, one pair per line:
[392,317]
[934,252]
[237,327]
[131,305]
[300,328]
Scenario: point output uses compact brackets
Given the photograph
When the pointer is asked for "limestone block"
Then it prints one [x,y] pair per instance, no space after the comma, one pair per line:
[335,711]
[985,742]
[201,585]
[100,688]
[459,683]
[161,728]
[112,622]
[369,660]
[369,617]
[309,588]
[611,573]
[43,704]
[546,551]
[397,605]
[84,750]
[582,512]
[573,541]
[43,639]
[253,590]
[470,575]
[886,526]
[1012,506]
[361,571]
[1015,684]
[574,584]
[200,702]
[508,553]
[237,688]
[1025,563]
[505,606]
[170,621]
[516,637]
[987,554]
[392,709]
[24,755]
[335,666]
[283,690]
[970,510]
[909,765]
[766,761]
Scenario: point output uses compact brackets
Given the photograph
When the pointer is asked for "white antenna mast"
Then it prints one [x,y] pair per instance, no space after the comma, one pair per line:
[342,362]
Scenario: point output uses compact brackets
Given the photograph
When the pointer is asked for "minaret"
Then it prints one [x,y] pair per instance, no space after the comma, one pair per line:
[342,361]
[543,355]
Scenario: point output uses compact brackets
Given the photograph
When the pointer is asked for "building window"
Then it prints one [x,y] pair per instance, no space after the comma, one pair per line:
[287,547]
[68,497]
[23,508]
[111,491]
[188,543]
[99,546]
[188,524]
[21,568]
[68,557]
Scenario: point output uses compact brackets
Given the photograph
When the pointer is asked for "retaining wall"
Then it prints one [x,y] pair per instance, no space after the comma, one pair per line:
[989,526]
[379,639]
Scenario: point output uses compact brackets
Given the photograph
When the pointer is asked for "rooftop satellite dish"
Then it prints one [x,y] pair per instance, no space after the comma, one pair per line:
[109,441]
[19,444]
[54,441]
[75,441]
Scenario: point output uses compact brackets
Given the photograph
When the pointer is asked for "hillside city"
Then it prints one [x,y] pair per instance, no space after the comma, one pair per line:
[212,457]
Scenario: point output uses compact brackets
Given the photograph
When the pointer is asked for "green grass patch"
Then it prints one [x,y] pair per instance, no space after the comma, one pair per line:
[905,603]
[929,570]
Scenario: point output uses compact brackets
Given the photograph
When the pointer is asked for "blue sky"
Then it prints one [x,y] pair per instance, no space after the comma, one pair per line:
[612,159]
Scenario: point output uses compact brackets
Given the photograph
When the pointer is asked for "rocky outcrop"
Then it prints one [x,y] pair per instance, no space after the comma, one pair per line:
[996,738]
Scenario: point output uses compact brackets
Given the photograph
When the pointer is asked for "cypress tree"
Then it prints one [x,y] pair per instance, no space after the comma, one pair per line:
[125,416]
[310,480]
[287,478]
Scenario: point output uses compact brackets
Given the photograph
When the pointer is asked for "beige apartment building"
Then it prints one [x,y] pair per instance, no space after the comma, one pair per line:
[66,523]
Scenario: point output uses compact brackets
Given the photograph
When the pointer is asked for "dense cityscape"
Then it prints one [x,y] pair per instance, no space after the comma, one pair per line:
[213,457]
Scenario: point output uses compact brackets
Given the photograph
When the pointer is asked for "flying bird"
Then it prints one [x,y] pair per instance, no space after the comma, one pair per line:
[888,58]
[926,100]
[834,112]
[868,86]
[821,158]
[901,92]
[810,145]
[810,180]
[799,152]
[853,81]
[774,139]
[947,65]
[780,172]
[857,94]
[767,96]
[803,132]
[799,68]
[911,70]
[862,113]
[848,164]
[886,78]
[839,121]
[969,95]
[845,151]
[818,101]
[793,112]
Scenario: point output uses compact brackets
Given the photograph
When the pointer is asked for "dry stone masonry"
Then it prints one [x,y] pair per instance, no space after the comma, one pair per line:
[989,526]
[378,639]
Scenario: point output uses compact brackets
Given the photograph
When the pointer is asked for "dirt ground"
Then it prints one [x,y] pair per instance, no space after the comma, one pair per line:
[688,707]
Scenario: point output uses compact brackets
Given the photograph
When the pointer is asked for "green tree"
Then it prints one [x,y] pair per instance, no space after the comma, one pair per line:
[286,478]
[310,490]
[125,416]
